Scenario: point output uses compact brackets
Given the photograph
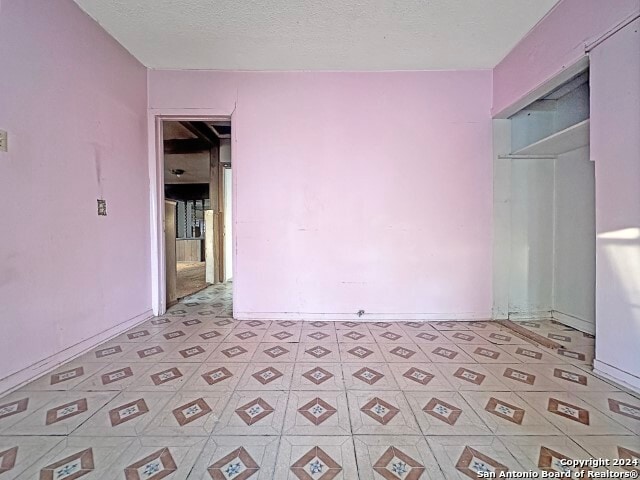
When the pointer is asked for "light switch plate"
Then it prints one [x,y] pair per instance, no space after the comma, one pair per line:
[3,141]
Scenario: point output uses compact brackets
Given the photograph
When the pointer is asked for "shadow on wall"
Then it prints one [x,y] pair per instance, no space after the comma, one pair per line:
[622,258]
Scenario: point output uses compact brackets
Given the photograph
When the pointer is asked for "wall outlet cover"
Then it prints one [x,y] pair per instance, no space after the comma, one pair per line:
[3,141]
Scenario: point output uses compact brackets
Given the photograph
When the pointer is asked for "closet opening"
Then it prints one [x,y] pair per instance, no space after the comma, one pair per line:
[544,195]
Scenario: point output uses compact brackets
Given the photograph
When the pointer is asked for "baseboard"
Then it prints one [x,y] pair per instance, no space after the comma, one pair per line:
[539,315]
[367,317]
[616,375]
[575,322]
[21,377]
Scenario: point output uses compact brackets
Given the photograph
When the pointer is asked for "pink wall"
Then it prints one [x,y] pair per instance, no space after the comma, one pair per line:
[555,43]
[74,104]
[355,191]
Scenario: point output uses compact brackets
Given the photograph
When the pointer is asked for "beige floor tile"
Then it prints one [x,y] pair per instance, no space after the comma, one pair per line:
[128,414]
[465,457]
[505,413]
[361,353]
[571,414]
[574,379]
[620,406]
[253,413]
[403,352]
[116,376]
[281,334]
[529,354]
[330,456]
[214,377]
[445,413]
[393,335]
[246,335]
[266,376]
[470,376]
[381,413]
[237,456]
[523,377]
[317,413]
[354,336]
[108,352]
[427,337]
[373,376]
[91,457]
[547,453]
[277,352]
[417,326]
[446,353]
[613,447]
[19,453]
[232,352]
[18,405]
[503,337]
[317,377]
[350,325]
[450,325]
[207,334]
[318,335]
[395,457]
[488,353]
[62,415]
[149,352]
[188,413]
[165,376]
[318,352]
[423,377]
[65,377]
[464,337]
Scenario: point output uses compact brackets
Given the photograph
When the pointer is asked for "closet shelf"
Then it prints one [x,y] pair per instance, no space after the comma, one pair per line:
[564,141]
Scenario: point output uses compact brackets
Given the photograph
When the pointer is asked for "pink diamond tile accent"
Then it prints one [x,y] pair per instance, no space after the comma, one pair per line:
[318,335]
[209,335]
[475,464]
[381,411]
[148,352]
[127,412]
[318,351]
[237,465]
[391,336]
[368,375]
[176,334]
[505,410]
[566,410]
[402,352]
[246,335]
[141,333]
[317,375]
[69,468]
[469,376]
[354,335]
[234,351]
[445,352]
[317,411]
[254,411]
[192,351]
[316,464]
[394,464]
[267,375]
[105,352]
[190,412]
[217,375]
[116,375]
[360,352]
[277,351]
[166,376]
[426,336]
[443,411]
[13,408]
[68,410]
[8,459]
[158,465]
[282,335]
[419,376]
[626,409]
[67,375]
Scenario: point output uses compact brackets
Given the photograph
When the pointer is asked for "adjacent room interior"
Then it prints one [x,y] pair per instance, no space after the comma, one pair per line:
[329,240]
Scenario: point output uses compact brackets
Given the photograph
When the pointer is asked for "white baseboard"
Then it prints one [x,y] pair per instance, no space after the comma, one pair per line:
[616,375]
[575,322]
[21,377]
[539,315]
[367,317]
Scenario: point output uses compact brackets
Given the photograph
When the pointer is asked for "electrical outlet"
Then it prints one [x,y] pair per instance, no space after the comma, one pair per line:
[102,208]
[3,141]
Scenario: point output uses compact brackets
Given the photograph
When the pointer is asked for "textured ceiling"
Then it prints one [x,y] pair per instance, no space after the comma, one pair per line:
[318,34]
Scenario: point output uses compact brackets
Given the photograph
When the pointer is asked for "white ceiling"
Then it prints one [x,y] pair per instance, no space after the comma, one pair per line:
[318,34]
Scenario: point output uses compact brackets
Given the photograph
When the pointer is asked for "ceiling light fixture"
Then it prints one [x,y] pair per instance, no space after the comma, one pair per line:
[177,172]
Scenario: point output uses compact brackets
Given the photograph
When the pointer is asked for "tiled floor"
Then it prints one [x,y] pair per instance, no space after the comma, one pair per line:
[195,394]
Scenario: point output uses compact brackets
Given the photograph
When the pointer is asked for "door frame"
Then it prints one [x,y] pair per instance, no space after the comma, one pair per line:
[156,191]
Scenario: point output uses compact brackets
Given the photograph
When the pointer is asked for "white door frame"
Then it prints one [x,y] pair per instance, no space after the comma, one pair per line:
[156,176]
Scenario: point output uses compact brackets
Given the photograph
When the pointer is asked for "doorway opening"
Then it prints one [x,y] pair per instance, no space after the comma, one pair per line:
[544,199]
[197,190]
